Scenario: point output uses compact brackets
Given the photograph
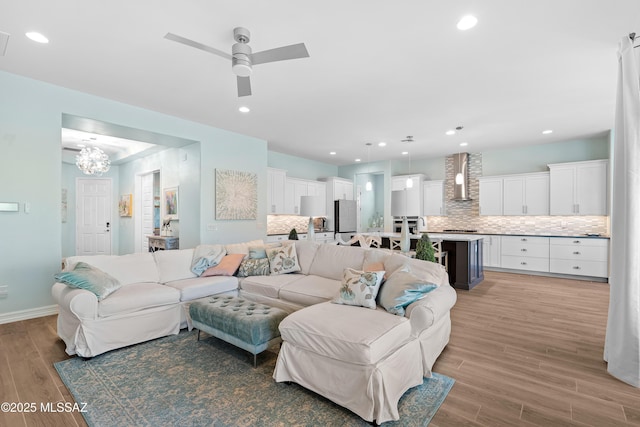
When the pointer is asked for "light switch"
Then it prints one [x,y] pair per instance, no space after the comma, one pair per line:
[27,207]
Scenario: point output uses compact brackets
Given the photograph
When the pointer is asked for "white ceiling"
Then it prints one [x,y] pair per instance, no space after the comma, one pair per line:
[378,70]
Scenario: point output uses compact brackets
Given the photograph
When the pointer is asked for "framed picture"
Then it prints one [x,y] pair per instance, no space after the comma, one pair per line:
[236,194]
[170,200]
[125,205]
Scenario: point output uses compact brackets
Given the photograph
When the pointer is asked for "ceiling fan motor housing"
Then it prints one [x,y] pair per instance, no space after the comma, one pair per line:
[241,60]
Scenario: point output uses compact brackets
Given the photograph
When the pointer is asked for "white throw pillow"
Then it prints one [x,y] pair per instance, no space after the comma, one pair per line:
[359,288]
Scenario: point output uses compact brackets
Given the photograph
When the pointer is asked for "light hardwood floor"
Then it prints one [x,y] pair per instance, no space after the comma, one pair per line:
[524,350]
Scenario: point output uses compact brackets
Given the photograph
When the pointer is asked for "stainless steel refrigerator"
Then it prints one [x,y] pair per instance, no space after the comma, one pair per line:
[345,215]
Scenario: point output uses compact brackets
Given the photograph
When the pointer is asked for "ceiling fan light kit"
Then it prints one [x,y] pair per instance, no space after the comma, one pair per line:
[242,57]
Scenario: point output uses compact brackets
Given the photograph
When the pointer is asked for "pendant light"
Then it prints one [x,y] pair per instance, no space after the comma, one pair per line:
[369,185]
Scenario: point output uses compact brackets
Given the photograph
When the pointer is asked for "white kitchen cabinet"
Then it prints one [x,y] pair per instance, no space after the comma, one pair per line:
[579,256]
[434,198]
[491,250]
[295,188]
[578,188]
[490,195]
[275,190]
[415,192]
[525,253]
[526,194]
[324,237]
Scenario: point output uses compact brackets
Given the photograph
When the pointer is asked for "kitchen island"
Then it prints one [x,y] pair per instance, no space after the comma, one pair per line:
[466,268]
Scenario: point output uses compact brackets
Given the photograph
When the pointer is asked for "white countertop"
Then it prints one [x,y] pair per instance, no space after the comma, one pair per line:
[443,236]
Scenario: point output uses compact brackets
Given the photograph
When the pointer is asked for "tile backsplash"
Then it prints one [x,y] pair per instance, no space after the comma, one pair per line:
[282,224]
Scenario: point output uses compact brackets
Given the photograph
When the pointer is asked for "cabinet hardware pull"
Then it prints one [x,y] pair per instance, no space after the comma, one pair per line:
[523,250]
[576,241]
[523,263]
[576,253]
[575,267]
[523,240]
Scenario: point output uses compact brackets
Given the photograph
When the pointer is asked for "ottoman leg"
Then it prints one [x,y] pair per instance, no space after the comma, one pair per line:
[198,334]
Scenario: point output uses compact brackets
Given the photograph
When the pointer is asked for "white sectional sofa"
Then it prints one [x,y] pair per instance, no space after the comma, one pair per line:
[150,303]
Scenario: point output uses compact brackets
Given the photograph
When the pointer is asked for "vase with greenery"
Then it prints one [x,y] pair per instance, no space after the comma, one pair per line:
[424,249]
[293,234]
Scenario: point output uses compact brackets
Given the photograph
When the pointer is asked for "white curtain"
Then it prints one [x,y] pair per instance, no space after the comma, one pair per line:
[622,344]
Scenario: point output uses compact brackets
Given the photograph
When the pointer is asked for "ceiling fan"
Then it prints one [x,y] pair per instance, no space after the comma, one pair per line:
[242,59]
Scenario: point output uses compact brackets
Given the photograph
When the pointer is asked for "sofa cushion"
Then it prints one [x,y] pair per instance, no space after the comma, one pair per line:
[127,269]
[200,287]
[283,260]
[306,251]
[174,265]
[85,276]
[268,286]
[136,297]
[310,290]
[359,288]
[350,334]
[331,260]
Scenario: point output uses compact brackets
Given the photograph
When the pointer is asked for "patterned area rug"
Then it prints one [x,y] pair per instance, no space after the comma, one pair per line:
[178,381]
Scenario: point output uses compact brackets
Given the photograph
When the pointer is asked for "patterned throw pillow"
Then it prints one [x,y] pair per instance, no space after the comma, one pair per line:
[254,267]
[359,288]
[401,289]
[283,259]
[85,276]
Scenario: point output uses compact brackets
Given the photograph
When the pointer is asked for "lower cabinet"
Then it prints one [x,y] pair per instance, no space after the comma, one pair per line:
[525,253]
[582,257]
[491,251]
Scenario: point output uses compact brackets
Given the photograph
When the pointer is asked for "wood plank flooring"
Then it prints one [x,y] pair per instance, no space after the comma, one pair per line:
[524,350]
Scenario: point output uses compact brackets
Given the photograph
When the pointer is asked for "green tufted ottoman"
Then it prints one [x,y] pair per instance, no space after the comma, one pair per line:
[240,322]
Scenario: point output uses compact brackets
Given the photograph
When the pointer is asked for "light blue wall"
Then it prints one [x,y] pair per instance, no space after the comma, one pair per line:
[298,167]
[31,171]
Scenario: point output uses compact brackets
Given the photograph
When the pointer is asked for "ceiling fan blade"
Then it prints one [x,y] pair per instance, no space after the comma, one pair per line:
[283,53]
[244,86]
[197,45]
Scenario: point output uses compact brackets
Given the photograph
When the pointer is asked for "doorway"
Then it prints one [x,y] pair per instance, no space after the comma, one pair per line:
[147,194]
[93,216]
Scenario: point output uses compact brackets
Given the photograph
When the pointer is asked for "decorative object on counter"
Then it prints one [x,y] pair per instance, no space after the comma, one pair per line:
[424,249]
[293,234]
[125,205]
[311,206]
[171,203]
[236,195]
[166,227]
[399,207]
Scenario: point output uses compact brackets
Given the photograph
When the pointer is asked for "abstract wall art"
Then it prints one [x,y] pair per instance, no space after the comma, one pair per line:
[236,195]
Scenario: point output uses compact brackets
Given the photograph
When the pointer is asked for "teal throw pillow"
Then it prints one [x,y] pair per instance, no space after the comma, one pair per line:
[257,252]
[401,289]
[359,288]
[85,276]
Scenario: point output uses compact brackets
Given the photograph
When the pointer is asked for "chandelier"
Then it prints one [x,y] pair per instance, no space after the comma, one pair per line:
[93,161]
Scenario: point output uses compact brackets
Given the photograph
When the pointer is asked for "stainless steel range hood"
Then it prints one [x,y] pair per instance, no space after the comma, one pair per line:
[461,176]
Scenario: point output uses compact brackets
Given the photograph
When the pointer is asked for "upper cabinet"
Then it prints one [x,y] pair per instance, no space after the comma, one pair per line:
[490,188]
[526,194]
[415,192]
[295,188]
[275,190]
[434,198]
[578,188]
[336,188]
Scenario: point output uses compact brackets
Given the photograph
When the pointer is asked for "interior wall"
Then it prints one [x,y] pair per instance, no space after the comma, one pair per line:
[298,167]
[31,171]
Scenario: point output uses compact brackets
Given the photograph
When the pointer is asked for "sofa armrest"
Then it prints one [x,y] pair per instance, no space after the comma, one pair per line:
[426,311]
[82,303]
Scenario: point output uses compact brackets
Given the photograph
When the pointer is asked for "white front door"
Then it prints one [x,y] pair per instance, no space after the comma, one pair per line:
[93,216]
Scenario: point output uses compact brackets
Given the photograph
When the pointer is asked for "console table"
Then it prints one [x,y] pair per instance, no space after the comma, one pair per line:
[161,243]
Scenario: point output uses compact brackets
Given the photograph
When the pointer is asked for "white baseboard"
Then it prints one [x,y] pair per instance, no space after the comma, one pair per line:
[32,313]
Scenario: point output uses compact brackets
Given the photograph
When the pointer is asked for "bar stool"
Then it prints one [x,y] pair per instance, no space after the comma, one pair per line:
[441,255]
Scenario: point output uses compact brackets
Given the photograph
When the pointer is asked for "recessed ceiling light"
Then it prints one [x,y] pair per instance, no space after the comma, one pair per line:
[37,37]
[382,144]
[357,160]
[333,153]
[467,22]
[244,109]
[547,132]
[450,132]
[464,144]
[404,153]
